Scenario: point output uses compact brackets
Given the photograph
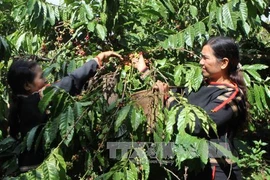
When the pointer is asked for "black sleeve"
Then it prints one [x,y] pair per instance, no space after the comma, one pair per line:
[73,83]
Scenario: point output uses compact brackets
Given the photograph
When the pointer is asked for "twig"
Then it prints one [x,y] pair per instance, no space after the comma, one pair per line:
[171,173]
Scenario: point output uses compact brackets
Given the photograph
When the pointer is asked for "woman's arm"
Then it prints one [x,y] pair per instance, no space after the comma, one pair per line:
[74,82]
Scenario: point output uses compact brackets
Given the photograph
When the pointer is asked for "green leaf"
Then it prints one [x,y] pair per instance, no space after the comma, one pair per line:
[20,40]
[134,170]
[258,97]
[243,10]
[182,119]
[169,6]
[121,117]
[203,151]
[30,6]
[49,170]
[254,67]
[189,36]
[263,98]
[171,121]
[267,91]
[246,28]
[228,18]
[30,137]
[199,28]
[71,66]
[219,17]
[51,14]
[50,131]
[66,125]
[136,118]
[118,175]
[101,31]
[178,70]
[254,74]
[88,11]
[48,95]
[193,11]
[180,40]
[44,8]
[246,79]
[225,152]
[91,26]
[172,42]
[144,161]
[197,79]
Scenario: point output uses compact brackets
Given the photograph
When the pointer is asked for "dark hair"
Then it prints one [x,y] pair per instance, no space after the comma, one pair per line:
[225,47]
[20,73]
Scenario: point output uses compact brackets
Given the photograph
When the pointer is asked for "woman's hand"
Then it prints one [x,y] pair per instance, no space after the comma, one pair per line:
[104,56]
[162,87]
[139,63]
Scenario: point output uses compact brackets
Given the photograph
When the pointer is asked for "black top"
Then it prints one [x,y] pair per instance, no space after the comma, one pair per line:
[225,104]
[29,115]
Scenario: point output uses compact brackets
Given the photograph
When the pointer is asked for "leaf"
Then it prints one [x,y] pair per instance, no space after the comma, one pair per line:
[30,137]
[172,42]
[267,91]
[44,8]
[263,98]
[182,119]
[101,31]
[136,118]
[134,170]
[49,170]
[254,67]
[51,130]
[224,151]
[51,14]
[178,74]
[62,167]
[171,121]
[91,26]
[20,40]
[50,92]
[118,176]
[30,6]
[246,79]
[219,17]
[189,36]
[228,17]
[203,151]
[66,125]
[180,40]
[243,10]
[71,66]
[88,10]
[258,97]
[197,79]
[121,117]
[169,6]
[246,28]
[199,28]
[254,74]
[144,162]
[193,11]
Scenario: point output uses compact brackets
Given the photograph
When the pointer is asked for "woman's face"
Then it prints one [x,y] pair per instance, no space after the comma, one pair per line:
[211,66]
[39,81]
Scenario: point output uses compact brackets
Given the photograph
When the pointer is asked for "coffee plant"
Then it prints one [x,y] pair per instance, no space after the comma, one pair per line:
[117,106]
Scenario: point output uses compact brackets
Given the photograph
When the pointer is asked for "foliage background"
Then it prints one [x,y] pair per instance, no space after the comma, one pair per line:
[171,34]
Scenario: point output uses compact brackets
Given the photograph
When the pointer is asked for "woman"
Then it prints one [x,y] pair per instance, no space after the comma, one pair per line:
[27,83]
[223,97]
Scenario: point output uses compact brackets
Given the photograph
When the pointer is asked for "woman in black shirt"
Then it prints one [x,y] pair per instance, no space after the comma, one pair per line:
[27,83]
[223,97]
